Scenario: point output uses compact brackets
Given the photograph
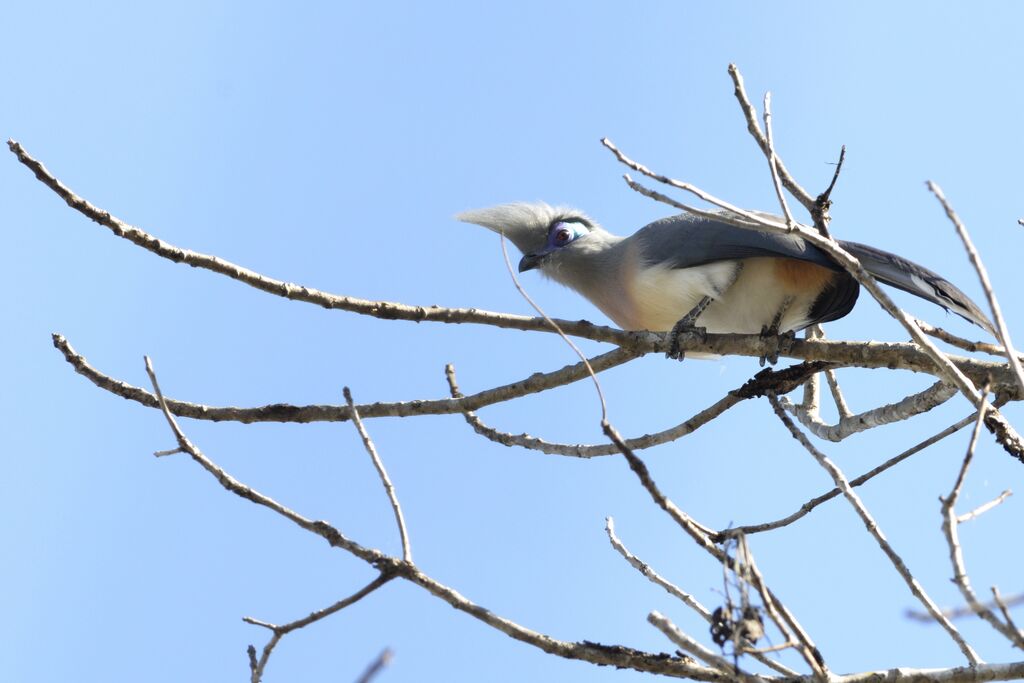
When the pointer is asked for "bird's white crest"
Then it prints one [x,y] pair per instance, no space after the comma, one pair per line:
[524,223]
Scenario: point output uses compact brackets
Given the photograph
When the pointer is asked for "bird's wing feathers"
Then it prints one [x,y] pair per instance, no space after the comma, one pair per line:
[685,241]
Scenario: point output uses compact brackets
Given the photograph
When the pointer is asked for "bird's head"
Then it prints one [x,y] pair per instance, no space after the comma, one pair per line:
[544,234]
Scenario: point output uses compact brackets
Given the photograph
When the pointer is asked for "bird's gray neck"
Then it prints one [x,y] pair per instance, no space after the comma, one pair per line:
[599,273]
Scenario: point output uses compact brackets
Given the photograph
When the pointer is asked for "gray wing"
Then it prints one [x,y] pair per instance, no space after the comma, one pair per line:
[685,241]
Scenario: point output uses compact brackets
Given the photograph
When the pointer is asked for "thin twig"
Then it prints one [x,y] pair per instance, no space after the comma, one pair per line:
[815,502]
[688,644]
[389,488]
[966,611]
[960,342]
[587,651]
[950,528]
[376,666]
[827,194]
[251,652]
[780,381]
[950,500]
[590,450]
[329,533]
[653,576]
[751,116]
[837,395]
[823,202]
[257,667]
[753,576]
[702,536]
[872,527]
[745,571]
[982,509]
[555,327]
[1004,607]
[773,160]
[986,284]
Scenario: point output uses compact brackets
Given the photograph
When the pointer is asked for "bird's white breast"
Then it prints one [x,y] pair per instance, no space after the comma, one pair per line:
[661,295]
[747,295]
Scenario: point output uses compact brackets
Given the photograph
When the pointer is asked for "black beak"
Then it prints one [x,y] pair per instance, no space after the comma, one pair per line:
[530,261]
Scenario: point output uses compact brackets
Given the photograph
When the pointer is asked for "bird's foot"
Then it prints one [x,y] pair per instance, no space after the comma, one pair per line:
[683,328]
[771,334]
[687,325]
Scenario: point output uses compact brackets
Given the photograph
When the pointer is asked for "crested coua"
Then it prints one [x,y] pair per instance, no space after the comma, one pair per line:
[720,277]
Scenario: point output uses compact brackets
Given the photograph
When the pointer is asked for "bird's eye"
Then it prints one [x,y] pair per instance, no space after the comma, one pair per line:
[564,232]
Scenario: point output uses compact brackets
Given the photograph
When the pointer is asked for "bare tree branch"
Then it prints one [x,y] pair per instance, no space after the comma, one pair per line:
[811,401]
[954,373]
[781,381]
[950,528]
[1004,607]
[653,576]
[966,611]
[823,202]
[378,464]
[283,412]
[594,653]
[960,342]
[904,409]
[748,112]
[703,537]
[376,666]
[982,509]
[980,673]
[874,355]
[257,667]
[869,523]
[746,572]
[688,644]
[386,310]
[815,502]
[687,599]
[837,395]
[986,283]
[773,161]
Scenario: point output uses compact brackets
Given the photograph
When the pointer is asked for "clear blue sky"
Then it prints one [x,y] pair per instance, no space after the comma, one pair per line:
[330,144]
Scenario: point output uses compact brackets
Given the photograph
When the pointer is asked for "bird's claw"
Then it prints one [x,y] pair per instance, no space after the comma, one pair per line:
[687,325]
[779,340]
[683,328]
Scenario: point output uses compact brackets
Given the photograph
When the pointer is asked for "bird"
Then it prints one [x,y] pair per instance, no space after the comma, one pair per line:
[691,271]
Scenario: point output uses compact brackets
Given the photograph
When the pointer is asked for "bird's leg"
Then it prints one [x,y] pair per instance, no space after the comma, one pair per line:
[772,330]
[687,324]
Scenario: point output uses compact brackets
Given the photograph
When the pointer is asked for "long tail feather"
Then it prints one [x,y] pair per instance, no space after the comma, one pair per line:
[910,277]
